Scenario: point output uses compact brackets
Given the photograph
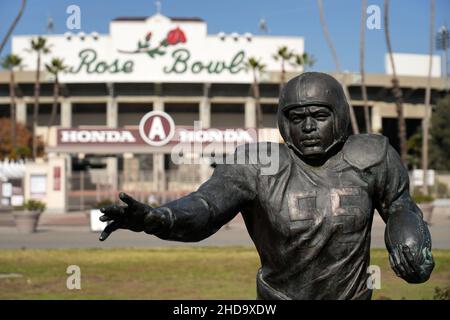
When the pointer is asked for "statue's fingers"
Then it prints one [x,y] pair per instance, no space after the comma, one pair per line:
[408,261]
[414,261]
[110,228]
[113,211]
[404,266]
[105,218]
[427,265]
[428,256]
[398,262]
[127,199]
[394,266]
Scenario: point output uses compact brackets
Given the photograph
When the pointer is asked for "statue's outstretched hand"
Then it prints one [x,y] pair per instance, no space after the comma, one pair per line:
[413,267]
[136,216]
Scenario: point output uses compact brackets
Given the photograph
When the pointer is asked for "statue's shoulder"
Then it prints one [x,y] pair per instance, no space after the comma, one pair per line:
[261,148]
[262,154]
[363,151]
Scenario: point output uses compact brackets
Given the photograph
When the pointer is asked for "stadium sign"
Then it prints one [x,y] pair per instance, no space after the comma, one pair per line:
[216,136]
[181,63]
[156,129]
[158,49]
[96,136]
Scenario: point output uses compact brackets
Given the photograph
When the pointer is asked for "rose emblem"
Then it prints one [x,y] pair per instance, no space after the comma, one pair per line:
[173,37]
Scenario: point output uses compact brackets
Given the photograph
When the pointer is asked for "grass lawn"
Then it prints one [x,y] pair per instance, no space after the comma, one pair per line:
[174,273]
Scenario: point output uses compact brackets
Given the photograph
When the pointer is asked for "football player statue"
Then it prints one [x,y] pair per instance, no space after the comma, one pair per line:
[311,219]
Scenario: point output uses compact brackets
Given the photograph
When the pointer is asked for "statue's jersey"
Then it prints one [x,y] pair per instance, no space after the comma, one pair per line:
[310,225]
[317,223]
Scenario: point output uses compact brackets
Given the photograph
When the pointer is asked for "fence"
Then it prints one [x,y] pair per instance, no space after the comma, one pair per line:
[87,188]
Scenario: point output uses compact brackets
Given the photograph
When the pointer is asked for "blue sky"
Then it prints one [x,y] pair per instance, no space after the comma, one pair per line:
[408,23]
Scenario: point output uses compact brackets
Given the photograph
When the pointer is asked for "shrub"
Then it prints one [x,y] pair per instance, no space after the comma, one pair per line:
[420,198]
[441,293]
[441,190]
[34,205]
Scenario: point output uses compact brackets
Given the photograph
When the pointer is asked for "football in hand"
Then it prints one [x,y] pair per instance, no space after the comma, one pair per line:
[407,228]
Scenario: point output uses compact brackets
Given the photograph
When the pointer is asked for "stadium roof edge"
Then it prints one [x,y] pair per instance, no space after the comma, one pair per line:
[183,19]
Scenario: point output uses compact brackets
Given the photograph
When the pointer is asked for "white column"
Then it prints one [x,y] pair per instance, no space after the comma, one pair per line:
[250,113]
[66,113]
[377,120]
[205,112]
[159,174]
[112,171]
[112,122]
[158,104]
[205,118]
[112,113]
[66,122]
[21,111]
[68,170]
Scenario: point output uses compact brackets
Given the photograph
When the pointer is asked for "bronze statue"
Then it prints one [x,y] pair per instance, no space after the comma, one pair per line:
[311,219]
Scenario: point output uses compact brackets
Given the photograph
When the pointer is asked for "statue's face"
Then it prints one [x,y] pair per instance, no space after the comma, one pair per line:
[311,129]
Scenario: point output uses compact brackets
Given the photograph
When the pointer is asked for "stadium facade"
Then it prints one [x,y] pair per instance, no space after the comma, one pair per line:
[172,65]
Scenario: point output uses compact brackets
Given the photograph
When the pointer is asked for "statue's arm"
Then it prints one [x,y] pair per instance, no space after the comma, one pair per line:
[392,187]
[202,213]
[194,217]
[407,236]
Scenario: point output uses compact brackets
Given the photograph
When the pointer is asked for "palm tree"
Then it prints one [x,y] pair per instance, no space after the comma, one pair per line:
[338,66]
[39,46]
[287,56]
[361,67]
[10,62]
[284,55]
[426,121]
[306,60]
[396,90]
[257,68]
[55,67]
[13,25]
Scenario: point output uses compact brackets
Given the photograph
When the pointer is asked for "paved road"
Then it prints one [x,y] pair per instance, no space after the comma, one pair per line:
[72,231]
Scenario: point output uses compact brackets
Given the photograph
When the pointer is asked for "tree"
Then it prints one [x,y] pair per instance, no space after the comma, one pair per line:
[55,67]
[361,67]
[13,25]
[257,68]
[10,62]
[396,90]
[39,46]
[414,144]
[326,34]
[440,135]
[426,121]
[288,56]
[305,60]
[23,141]
[283,55]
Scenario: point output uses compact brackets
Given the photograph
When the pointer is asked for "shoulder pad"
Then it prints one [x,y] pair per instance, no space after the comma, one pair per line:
[262,154]
[363,151]
[260,148]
